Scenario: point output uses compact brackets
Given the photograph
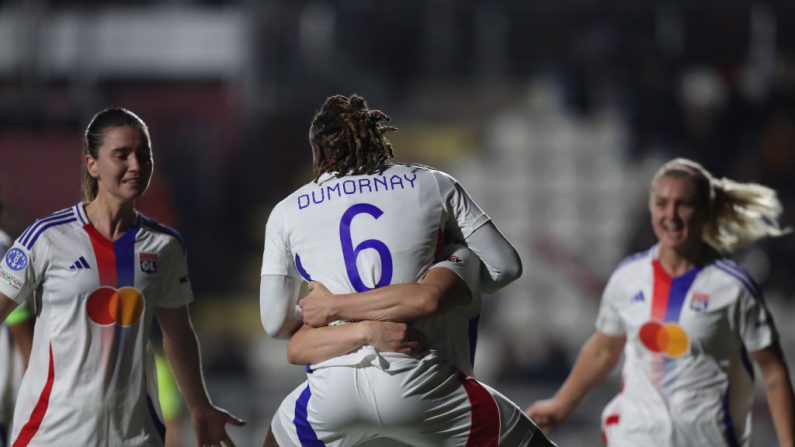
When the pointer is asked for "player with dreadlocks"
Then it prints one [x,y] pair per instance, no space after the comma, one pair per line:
[369,230]
[349,138]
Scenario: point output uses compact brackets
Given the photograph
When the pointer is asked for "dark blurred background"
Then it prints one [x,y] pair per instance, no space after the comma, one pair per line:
[553,114]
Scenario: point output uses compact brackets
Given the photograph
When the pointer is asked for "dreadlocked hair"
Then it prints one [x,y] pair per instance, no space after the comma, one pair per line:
[350,138]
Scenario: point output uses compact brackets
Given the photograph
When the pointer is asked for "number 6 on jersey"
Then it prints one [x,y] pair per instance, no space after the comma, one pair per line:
[350,253]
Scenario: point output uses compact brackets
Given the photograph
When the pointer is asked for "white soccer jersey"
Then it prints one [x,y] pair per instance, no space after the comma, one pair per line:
[454,333]
[91,378]
[687,377]
[359,232]
[428,402]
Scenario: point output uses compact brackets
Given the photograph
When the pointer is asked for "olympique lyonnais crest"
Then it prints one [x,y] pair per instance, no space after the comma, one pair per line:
[148,262]
[699,302]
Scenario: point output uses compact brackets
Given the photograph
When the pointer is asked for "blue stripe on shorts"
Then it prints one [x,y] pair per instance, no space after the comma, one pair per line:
[306,434]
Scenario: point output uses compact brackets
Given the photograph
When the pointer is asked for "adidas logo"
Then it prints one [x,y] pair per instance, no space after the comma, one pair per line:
[80,264]
[639,298]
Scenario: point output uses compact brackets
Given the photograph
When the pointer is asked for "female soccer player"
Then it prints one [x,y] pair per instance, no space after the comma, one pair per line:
[104,271]
[364,224]
[688,320]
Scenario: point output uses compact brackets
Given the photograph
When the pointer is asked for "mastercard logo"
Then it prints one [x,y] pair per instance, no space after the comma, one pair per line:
[667,338]
[108,305]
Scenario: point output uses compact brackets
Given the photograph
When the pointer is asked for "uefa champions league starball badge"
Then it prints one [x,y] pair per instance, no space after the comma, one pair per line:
[16,259]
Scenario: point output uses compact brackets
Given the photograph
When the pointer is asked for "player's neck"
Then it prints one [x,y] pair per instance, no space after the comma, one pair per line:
[678,262]
[111,218]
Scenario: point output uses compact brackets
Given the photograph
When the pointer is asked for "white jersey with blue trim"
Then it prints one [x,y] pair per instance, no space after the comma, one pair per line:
[434,403]
[687,377]
[91,378]
[359,232]
[454,333]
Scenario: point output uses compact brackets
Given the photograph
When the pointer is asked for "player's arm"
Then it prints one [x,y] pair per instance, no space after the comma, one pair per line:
[466,219]
[778,388]
[182,350]
[500,258]
[20,324]
[18,281]
[314,345]
[278,295]
[280,281]
[448,283]
[438,291]
[598,356]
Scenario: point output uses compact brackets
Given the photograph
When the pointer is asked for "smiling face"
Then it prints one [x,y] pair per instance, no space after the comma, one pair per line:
[123,166]
[677,213]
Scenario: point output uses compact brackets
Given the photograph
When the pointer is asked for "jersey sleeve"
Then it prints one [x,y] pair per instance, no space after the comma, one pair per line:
[608,320]
[176,288]
[276,256]
[21,270]
[755,325]
[461,261]
[464,216]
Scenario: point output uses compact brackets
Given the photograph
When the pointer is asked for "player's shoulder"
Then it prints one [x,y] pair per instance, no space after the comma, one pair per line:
[426,170]
[53,224]
[283,206]
[630,264]
[420,168]
[172,235]
[729,270]
[444,182]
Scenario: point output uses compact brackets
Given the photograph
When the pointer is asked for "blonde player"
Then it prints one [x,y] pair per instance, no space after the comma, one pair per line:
[105,271]
[689,322]
[365,224]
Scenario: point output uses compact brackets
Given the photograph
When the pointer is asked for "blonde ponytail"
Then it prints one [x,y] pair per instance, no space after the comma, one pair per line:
[741,214]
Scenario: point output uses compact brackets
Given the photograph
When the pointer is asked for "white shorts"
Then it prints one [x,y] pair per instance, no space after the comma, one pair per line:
[431,404]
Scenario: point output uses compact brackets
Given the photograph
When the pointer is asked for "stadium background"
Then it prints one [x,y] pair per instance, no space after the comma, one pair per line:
[553,114]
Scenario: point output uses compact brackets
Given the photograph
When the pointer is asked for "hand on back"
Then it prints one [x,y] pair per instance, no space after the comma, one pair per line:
[386,336]
[316,305]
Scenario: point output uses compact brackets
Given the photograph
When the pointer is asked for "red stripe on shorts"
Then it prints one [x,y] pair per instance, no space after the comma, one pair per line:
[32,426]
[484,430]
[611,420]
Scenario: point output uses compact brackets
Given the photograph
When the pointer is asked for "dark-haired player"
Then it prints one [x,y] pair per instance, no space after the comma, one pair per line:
[364,224]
